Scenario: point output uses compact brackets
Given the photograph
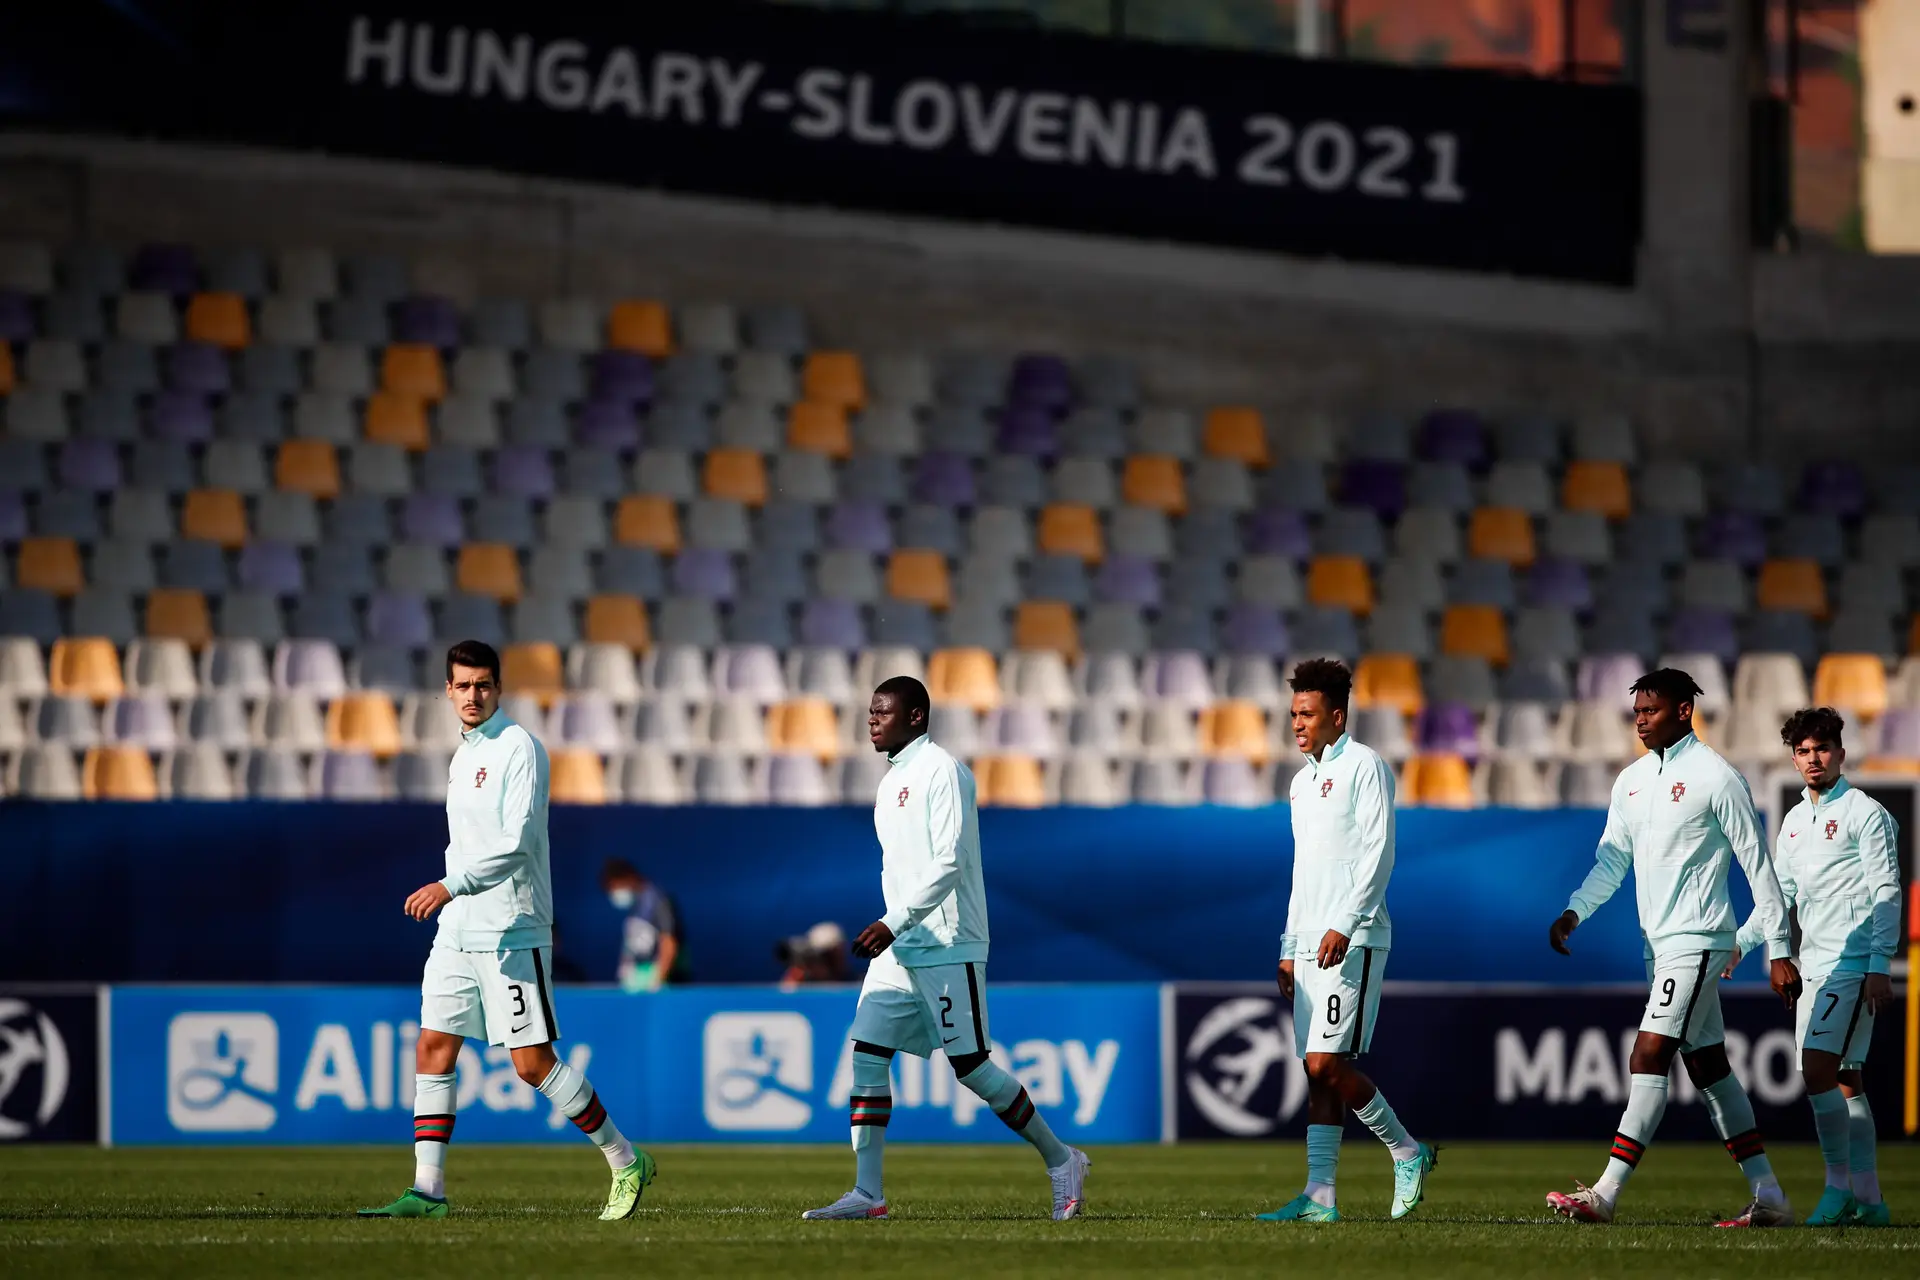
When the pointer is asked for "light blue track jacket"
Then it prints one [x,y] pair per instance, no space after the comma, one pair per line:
[1343,827]
[930,876]
[497,869]
[1679,818]
[1840,869]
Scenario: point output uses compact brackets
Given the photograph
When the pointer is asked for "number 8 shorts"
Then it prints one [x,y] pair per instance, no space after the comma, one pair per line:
[1334,1009]
[1683,1002]
[923,1009]
[497,997]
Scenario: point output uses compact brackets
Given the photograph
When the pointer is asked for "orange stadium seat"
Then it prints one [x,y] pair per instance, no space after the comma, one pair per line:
[49,564]
[1341,582]
[177,614]
[85,667]
[1855,683]
[413,369]
[118,773]
[215,515]
[1597,486]
[1235,728]
[1501,533]
[1474,631]
[397,418]
[964,677]
[1151,480]
[740,474]
[488,569]
[219,319]
[1793,586]
[1068,529]
[617,619]
[645,521]
[1236,432]
[834,377]
[641,325]
[9,376]
[1389,680]
[1009,782]
[1046,625]
[1438,782]
[308,466]
[914,573]
[818,426]
[576,776]
[804,724]
[363,721]
[535,668]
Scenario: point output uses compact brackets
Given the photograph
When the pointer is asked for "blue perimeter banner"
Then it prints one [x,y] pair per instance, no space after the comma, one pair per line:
[320,1065]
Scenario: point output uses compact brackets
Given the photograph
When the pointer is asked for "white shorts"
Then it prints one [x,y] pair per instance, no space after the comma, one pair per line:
[920,1010]
[1830,1016]
[500,997]
[1334,1009]
[1683,1000]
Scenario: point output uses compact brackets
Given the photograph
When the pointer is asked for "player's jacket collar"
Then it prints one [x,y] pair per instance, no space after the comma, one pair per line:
[1330,753]
[492,727]
[1679,748]
[1820,799]
[906,754]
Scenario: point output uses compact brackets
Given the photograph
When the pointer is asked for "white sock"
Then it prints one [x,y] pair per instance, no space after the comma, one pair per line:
[1386,1126]
[1732,1114]
[1862,1148]
[1323,1162]
[1830,1124]
[433,1102]
[1646,1103]
[1010,1102]
[578,1102]
[870,1107]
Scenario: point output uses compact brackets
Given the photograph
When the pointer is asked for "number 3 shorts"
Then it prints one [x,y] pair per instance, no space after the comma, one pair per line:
[1334,1009]
[498,997]
[920,1010]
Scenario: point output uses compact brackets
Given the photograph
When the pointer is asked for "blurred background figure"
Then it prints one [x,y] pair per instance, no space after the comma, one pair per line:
[818,955]
[650,939]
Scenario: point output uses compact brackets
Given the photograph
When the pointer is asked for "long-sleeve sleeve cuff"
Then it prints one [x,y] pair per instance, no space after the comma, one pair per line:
[897,922]
[1880,964]
[457,886]
[1780,948]
[1286,946]
[1346,926]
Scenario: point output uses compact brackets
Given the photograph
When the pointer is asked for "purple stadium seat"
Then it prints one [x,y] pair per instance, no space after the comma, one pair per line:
[13,516]
[180,416]
[523,471]
[432,519]
[349,775]
[1028,429]
[142,720]
[313,665]
[943,480]
[608,424]
[428,320]
[1023,728]
[832,624]
[1179,677]
[1606,677]
[1276,531]
[859,526]
[272,567]
[704,572]
[16,317]
[1375,484]
[89,463]
[1450,727]
[1834,488]
[1559,582]
[1255,629]
[400,619]
[1738,536]
[1043,381]
[1453,435]
[199,367]
[618,374]
[165,268]
[1900,733]
[1703,631]
[587,720]
[1128,580]
[1231,782]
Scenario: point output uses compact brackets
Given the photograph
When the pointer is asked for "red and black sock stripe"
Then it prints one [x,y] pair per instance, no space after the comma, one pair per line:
[1020,1114]
[433,1128]
[873,1110]
[593,1117]
[1627,1150]
[1745,1146]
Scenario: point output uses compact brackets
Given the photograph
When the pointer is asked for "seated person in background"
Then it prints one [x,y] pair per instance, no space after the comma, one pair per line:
[818,955]
[650,936]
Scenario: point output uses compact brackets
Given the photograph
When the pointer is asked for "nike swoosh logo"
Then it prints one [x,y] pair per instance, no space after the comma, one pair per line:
[1793,835]
[949,1040]
[1633,793]
[514,1031]
[1812,1034]
[1331,1035]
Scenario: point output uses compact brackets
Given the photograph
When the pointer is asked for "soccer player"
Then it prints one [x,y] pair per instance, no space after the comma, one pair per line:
[1334,954]
[1838,867]
[926,990]
[1679,815]
[487,974]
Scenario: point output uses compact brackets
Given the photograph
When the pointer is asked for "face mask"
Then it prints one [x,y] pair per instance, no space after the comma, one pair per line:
[622,899]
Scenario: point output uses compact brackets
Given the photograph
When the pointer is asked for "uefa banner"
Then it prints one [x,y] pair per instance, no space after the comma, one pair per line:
[311,1065]
[883,111]
[1490,1063]
[49,1064]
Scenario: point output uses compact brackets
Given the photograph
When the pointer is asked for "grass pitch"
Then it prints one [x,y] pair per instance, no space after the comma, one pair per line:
[964,1211]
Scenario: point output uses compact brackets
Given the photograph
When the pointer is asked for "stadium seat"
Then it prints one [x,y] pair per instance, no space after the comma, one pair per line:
[1010,782]
[819,427]
[397,418]
[363,721]
[534,669]
[51,565]
[119,773]
[1236,432]
[1501,533]
[1155,482]
[1389,680]
[640,325]
[84,667]
[220,320]
[835,378]
[644,521]
[1438,781]
[805,725]
[1597,486]
[964,677]
[1340,582]
[1235,729]
[1046,626]
[489,569]
[614,619]
[1071,530]
[1474,631]
[739,474]
[175,614]
[920,575]
[1792,586]
[1853,683]
[577,776]
[310,467]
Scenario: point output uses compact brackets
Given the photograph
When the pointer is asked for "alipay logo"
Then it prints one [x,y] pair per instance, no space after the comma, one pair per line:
[757,1071]
[1235,1049]
[28,1039]
[222,1070]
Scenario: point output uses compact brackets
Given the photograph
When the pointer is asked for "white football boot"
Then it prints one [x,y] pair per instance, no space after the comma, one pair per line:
[855,1204]
[1070,1185]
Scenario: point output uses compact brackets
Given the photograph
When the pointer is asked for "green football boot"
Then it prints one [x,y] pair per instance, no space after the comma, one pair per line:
[628,1183]
[1872,1215]
[411,1204]
[1302,1208]
[1410,1179]
[1835,1209]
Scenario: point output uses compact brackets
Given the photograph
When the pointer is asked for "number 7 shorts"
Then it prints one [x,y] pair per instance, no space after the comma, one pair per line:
[1683,999]
[919,1010]
[496,997]
[1831,1017]
[1334,1009]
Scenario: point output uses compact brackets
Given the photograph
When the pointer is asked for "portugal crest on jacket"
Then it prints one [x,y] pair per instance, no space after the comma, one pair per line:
[1679,789]
[1833,827]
